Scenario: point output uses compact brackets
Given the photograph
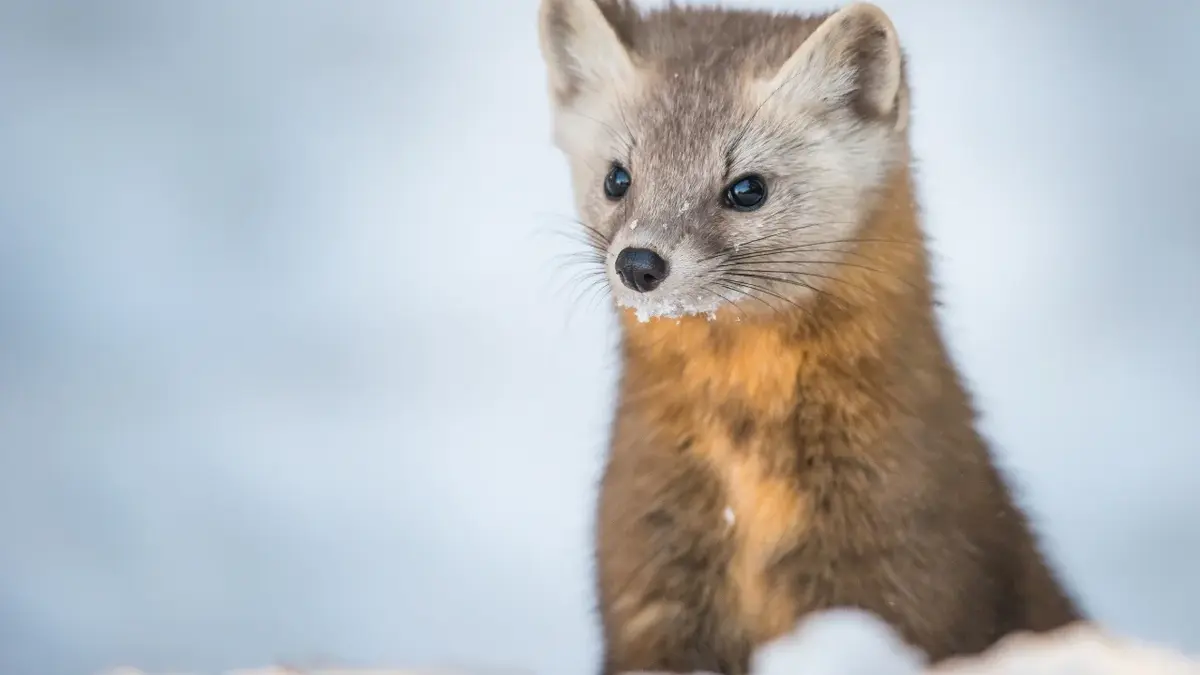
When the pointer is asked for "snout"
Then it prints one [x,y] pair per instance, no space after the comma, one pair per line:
[641,269]
[660,278]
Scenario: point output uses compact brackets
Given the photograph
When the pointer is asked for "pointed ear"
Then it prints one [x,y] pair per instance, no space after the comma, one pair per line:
[851,61]
[581,47]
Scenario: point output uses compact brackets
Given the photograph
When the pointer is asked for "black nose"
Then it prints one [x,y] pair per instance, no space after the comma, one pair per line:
[641,269]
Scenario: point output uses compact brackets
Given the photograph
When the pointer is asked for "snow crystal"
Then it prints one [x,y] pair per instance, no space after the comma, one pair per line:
[729,517]
[633,224]
[670,306]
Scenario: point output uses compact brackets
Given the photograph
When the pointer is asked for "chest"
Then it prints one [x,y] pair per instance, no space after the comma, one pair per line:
[765,514]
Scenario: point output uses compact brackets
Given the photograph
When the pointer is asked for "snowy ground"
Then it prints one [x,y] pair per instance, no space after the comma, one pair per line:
[285,374]
[868,648]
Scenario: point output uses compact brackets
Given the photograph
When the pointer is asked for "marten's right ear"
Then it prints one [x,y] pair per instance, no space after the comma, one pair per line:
[582,50]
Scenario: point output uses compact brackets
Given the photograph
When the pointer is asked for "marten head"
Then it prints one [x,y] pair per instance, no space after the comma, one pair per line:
[723,156]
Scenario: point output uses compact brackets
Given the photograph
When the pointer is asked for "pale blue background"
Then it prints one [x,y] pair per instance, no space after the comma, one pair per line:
[285,372]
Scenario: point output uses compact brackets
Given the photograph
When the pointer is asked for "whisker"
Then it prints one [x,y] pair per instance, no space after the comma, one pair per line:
[747,246]
[767,290]
[626,141]
[708,288]
[784,280]
[588,235]
[832,263]
[581,277]
[597,291]
[739,245]
[597,235]
[765,275]
[866,291]
[625,121]
[746,124]
[736,287]
[586,294]
[855,254]
[801,247]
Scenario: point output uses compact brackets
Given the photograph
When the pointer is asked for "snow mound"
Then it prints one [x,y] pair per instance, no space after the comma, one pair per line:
[847,642]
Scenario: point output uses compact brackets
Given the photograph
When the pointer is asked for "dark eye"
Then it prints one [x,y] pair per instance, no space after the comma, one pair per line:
[746,194]
[616,183]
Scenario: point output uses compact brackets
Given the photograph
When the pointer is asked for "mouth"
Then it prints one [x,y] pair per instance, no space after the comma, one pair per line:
[671,306]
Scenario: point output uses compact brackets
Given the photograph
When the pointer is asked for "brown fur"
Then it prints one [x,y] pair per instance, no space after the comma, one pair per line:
[844,443]
[834,428]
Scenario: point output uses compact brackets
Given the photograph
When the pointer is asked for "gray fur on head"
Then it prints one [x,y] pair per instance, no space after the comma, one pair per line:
[690,99]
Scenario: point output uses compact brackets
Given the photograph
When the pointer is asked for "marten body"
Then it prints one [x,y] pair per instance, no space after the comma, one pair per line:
[763,469]
[804,442]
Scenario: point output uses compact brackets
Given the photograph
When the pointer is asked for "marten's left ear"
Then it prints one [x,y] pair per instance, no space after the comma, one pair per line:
[852,60]
[582,50]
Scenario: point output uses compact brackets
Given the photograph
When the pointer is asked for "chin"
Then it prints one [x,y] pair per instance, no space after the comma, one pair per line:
[672,306]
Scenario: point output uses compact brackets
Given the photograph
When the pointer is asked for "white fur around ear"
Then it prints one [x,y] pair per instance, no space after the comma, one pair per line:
[852,60]
[581,48]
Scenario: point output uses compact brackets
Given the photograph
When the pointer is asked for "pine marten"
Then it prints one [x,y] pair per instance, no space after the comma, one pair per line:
[791,434]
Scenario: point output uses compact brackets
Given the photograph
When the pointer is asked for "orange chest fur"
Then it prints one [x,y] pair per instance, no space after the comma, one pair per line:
[764,515]
[729,406]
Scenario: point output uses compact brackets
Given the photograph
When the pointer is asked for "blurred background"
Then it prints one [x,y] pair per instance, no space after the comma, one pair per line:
[289,372]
